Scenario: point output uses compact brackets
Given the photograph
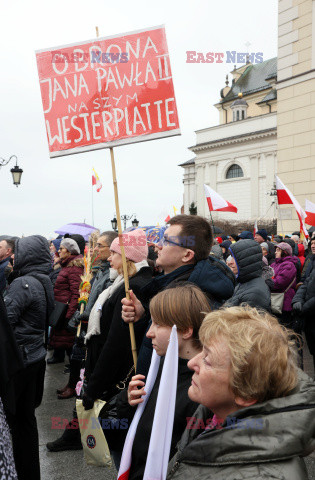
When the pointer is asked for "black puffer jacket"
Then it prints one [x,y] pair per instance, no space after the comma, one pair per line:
[306,292]
[251,287]
[30,296]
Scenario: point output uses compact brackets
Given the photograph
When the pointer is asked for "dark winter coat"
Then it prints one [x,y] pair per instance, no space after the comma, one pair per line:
[3,281]
[264,441]
[251,287]
[67,291]
[30,297]
[10,359]
[284,273]
[306,292]
[109,357]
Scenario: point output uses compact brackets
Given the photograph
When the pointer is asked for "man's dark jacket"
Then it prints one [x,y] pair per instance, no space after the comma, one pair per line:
[30,297]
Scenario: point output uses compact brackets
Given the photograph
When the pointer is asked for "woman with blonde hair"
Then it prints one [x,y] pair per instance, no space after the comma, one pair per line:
[257,414]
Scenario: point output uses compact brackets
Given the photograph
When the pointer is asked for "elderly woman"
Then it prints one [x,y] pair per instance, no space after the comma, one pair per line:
[257,414]
[66,290]
[284,280]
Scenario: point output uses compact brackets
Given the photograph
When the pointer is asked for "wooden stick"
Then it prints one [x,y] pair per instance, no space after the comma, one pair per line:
[124,262]
[97,34]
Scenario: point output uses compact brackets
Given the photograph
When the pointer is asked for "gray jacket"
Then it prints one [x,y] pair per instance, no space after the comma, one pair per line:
[251,287]
[264,441]
[100,283]
[30,296]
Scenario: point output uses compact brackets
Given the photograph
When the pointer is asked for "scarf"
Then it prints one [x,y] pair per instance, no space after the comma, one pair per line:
[96,312]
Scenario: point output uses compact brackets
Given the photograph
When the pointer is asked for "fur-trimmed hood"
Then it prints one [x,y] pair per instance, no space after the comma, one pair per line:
[73,261]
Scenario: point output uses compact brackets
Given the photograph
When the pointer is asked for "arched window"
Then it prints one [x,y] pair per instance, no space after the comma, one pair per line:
[237,115]
[234,171]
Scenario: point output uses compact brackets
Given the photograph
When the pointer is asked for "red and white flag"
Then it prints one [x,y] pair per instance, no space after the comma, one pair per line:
[285,197]
[96,181]
[217,203]
[310,212]
[162,428]
[167,219]
[255,228]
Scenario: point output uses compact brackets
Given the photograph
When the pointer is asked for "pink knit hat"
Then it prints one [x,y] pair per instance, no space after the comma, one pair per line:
[135,243]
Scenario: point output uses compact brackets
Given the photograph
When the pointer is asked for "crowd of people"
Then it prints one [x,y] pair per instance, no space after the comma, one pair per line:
[241,303]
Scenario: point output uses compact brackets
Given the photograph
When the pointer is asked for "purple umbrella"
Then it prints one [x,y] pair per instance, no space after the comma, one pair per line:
[79,228]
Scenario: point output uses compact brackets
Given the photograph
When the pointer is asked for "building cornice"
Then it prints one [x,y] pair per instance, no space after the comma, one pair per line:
[234,139]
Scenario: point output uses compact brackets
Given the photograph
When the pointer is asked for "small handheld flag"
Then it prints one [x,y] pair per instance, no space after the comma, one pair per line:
[96,181]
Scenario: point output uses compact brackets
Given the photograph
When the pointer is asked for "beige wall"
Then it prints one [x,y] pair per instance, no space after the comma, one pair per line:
[296,104]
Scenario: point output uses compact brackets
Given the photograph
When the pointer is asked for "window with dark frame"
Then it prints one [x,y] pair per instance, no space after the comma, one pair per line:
[234,171]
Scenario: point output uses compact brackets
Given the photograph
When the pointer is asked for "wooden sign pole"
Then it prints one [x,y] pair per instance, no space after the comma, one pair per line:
[122,248]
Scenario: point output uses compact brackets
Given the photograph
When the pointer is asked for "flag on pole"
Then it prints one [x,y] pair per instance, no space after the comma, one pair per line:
[285,197]
[96,181]
[167,219]
[162,428]
[125,462]
[217,203]
[255,228]
[175,210]
[310,212]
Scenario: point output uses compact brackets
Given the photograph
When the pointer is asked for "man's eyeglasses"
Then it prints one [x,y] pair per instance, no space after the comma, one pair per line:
[99,245]
[165,241]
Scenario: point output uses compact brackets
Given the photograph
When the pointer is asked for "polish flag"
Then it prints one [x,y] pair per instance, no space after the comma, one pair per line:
[255,228]
[217,203]
[310,212]
[167,219]
[285,197]
[96,181]
[125,463]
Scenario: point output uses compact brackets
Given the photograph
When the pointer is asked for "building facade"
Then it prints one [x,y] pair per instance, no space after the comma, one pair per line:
[238,157]
[296,104]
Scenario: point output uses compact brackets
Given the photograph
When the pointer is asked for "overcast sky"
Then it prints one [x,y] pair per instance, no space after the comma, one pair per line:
[57,191]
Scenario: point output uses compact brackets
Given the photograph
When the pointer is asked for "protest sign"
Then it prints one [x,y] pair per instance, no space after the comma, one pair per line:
[108,91]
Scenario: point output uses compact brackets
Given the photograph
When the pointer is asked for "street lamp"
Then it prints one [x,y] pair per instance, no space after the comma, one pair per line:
[124,218]
[16,171]
[135,222]
[114,223]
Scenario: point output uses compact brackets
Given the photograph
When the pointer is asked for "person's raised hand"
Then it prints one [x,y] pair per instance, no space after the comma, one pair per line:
[136,390]
[132,310]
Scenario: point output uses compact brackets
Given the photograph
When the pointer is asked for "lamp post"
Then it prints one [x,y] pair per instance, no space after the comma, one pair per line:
[16,171]
[125,218]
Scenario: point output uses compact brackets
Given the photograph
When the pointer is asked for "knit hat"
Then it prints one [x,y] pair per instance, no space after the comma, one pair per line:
[265,245]
[263,233]
[135,243]
[219,240]
[285,247]
[56,243]
[246,235]
[70,245]
[226,244]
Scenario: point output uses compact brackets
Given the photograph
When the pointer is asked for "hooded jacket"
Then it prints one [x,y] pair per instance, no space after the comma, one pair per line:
[251,287]
[30,297]
[306,292]
[264,441]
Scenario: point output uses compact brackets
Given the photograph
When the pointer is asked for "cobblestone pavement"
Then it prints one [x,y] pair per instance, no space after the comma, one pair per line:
[70,464]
